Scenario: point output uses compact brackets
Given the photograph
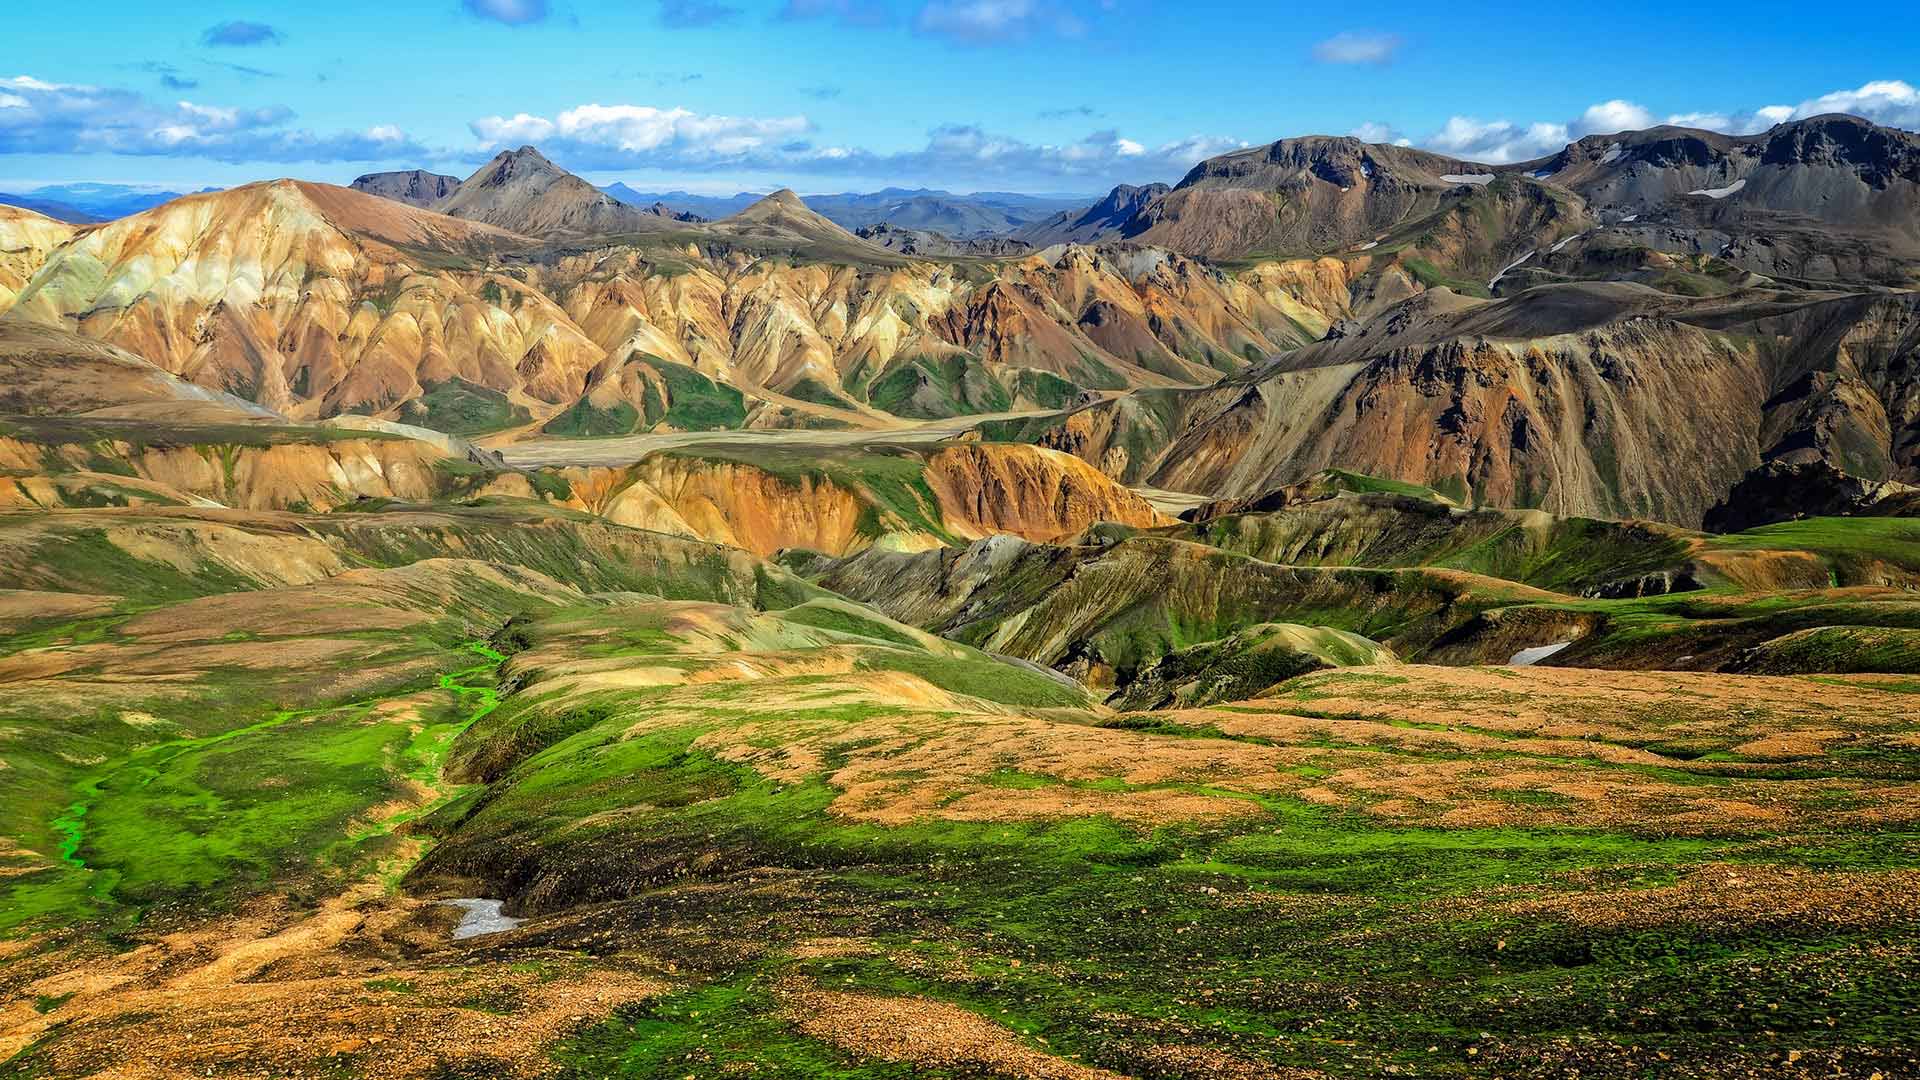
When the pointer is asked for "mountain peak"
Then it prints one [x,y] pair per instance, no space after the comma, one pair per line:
[522,191]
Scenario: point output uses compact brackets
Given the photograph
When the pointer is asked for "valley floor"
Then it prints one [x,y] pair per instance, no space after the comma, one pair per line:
[758,830]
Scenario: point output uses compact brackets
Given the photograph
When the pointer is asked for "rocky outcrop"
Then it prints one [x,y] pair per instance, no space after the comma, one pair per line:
[415,187]
[1786,491]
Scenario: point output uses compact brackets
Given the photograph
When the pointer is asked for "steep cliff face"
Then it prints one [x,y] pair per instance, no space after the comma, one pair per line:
[26,239]
[1592,400]
[1028,492]
[840,503]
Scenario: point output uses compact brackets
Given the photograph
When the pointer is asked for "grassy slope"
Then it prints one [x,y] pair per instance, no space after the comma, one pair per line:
[1296,936]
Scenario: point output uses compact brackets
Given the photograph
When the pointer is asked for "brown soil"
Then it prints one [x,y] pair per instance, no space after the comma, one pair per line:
[368,982]
[923,1032]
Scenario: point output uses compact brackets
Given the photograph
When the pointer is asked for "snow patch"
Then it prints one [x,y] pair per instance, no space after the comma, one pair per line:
[1468,178]
[1530,657]
[482,916]
[1722,192]
[1510,266]
[1556,248]
[1613,154]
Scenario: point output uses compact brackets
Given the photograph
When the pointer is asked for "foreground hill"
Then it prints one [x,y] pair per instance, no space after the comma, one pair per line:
[249,755]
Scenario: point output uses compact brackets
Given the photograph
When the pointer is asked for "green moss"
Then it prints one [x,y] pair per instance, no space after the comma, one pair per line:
[1433,277]
[936,387]
[697,403]
[459,407]
[584,419]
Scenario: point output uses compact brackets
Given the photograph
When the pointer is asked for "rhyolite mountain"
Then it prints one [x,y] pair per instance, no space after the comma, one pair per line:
[1671,310]
[317,301]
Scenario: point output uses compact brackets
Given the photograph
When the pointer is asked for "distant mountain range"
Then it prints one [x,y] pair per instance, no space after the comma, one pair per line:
[85,204]
[982,213]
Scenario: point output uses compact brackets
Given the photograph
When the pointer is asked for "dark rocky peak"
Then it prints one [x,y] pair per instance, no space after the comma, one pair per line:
[1879,153]
[1126,200]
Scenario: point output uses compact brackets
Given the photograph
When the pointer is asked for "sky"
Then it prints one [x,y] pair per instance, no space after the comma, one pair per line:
[1041,96]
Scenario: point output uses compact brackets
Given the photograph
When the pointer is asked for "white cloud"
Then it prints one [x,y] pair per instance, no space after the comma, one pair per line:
[676,135]
[606,137]
[1613,116]
[520,128]
[511,12]
[1352,48]
[1496,142]
[1887,101]
[1371,132]
[43,117]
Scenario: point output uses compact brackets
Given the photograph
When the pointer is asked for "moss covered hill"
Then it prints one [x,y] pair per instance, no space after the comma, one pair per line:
[1422,577]
[1129,799]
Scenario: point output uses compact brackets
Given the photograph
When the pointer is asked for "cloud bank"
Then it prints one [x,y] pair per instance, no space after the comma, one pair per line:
[40,117]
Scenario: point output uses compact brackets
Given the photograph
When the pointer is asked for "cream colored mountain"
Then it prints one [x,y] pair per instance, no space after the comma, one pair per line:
[315,301]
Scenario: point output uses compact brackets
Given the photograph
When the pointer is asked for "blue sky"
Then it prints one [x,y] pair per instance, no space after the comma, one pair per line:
[830,95]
